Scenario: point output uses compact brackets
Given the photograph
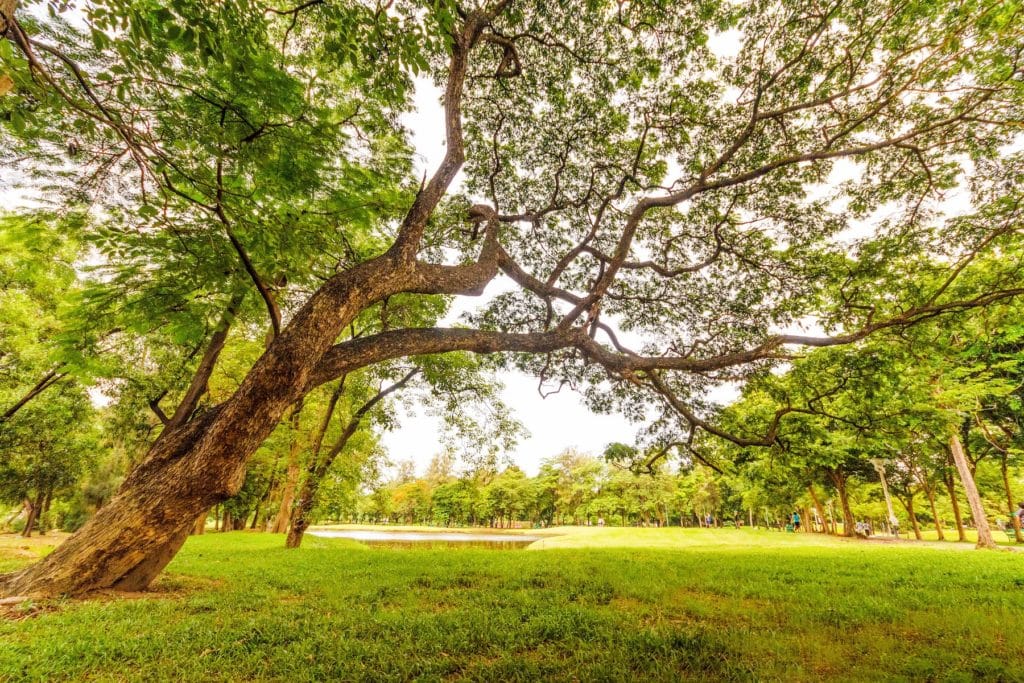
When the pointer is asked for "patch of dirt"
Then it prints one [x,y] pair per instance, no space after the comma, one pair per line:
[166,586]
[14,546]
[173,586]
[26,609]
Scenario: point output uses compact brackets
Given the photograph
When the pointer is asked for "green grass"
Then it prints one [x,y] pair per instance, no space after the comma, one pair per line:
[721,605]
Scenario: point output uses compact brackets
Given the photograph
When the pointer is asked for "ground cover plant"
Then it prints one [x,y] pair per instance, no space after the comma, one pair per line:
[721,604]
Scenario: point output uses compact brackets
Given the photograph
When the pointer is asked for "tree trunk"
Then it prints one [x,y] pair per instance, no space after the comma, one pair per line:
[958,518]
[33,514]
[839,481]
[44,507]
[301,513]
[202,462]
[228,524]
[909,505]
[1014,519]
[818,508]
[973,497]
[200,525]
[291,482]
[930,493]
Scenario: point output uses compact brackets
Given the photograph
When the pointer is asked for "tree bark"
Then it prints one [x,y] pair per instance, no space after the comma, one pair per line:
[930,493]
[839,481]
[973,497]
[908,504]
[818,508]
[957,516]
[1014,519]
[30,521]
[199,527]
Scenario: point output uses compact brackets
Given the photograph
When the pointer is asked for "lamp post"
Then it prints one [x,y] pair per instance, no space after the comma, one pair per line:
[880,468]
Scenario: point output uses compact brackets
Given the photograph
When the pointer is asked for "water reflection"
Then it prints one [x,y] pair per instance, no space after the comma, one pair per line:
[430,539]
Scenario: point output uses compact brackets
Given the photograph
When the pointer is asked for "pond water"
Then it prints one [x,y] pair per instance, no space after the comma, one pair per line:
[420,539]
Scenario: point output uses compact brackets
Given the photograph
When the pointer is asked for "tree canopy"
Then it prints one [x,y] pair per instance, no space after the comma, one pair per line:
[680,195]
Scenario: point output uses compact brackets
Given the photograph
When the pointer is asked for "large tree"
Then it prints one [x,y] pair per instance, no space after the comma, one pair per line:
[700,176]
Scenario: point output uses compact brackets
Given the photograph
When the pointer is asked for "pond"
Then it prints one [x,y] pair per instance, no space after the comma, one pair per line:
[421,539]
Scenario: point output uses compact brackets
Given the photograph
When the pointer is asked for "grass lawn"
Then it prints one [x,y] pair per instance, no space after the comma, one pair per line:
[654,604]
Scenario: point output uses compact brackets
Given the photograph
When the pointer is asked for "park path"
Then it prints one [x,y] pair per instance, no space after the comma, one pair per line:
[939,545]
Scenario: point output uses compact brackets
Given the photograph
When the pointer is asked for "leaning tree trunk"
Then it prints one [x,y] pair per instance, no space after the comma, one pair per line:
[818,508]
[201,462]
[303,511]
[958,518]
[291,483]
[973,497]
[909,505]
[33,515]
[192,467]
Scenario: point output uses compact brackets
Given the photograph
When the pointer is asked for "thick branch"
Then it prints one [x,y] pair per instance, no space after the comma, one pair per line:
[426,201]
[201,379]
[358,353]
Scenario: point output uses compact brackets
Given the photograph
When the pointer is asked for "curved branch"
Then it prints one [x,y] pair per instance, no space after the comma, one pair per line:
[358,353]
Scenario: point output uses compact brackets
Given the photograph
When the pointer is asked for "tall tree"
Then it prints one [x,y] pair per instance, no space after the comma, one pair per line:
[633,169]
